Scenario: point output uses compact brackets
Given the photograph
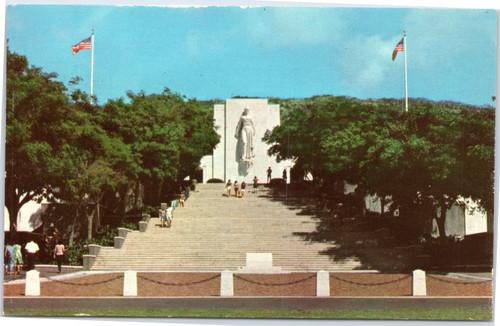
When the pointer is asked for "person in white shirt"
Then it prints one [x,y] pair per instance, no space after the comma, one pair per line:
[169,216]
[31,251]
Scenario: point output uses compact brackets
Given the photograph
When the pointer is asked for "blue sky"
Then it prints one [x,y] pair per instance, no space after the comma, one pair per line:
[221,52]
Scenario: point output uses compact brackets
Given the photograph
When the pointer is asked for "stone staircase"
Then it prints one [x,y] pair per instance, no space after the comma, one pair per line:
[214,233]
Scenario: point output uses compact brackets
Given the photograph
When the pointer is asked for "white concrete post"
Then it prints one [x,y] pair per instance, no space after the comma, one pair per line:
[88,261]
[118,243]
[143,225]
[226,284]
[323,284]
[419,284]
[130,284]
[32,283]
[94,249]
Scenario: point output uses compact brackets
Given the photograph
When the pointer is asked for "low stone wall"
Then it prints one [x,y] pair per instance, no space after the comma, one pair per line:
[88,260]
[234,284]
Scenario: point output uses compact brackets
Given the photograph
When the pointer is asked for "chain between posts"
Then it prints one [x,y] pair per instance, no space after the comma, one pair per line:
[274,284]
[371,284]
[178,284]
[267,284]
[84,284]
[458,282]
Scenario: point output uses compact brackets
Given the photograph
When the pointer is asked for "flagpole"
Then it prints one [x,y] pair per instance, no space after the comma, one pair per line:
[406,85]
[92,69]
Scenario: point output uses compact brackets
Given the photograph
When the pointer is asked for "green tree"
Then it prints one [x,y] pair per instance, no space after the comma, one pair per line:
[101,165]
[199,138]
[298,140]
[169,135]
[84,191]
[423,160]
[39,132]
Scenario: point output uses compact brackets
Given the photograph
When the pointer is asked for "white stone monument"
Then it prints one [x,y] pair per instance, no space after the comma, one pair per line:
[226,284]
[419,287]
[241,154]
[130,284]
[259,263]
[323,284]
[32,286]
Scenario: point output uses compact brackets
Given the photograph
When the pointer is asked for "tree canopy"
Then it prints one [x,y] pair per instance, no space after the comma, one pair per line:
[62,147]
[40,134]
[423,160]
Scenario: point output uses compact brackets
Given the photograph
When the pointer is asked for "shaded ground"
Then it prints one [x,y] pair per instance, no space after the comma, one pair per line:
[365,239]
[379,243]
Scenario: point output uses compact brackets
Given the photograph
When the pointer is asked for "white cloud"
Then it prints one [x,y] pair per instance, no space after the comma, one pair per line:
[364,62]
[293,27]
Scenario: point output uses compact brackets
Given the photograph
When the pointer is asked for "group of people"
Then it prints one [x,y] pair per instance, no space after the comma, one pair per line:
[239,189]
[13,254]
[270,173]
[13,258]
[166,215]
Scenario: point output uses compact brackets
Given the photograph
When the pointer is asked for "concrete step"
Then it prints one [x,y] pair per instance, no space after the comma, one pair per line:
[213,232]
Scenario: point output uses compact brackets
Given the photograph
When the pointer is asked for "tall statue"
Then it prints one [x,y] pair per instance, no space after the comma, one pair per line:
[245,132]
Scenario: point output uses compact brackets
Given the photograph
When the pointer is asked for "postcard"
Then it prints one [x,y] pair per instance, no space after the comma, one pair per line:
[264,161]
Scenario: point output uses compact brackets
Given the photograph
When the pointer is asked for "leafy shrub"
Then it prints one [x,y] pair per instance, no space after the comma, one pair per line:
[215,181]
[104,236]
[151,210]
[131,226]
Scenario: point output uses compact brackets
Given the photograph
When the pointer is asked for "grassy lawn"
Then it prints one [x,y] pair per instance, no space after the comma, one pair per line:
[434,314]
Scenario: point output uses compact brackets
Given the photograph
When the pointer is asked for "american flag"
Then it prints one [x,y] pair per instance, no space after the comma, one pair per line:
[83,45]
[398,48]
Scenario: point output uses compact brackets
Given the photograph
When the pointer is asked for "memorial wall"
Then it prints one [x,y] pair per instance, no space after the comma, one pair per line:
[241,154]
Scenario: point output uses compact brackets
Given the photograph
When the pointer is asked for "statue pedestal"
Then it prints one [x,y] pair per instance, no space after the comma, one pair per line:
[259,263]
